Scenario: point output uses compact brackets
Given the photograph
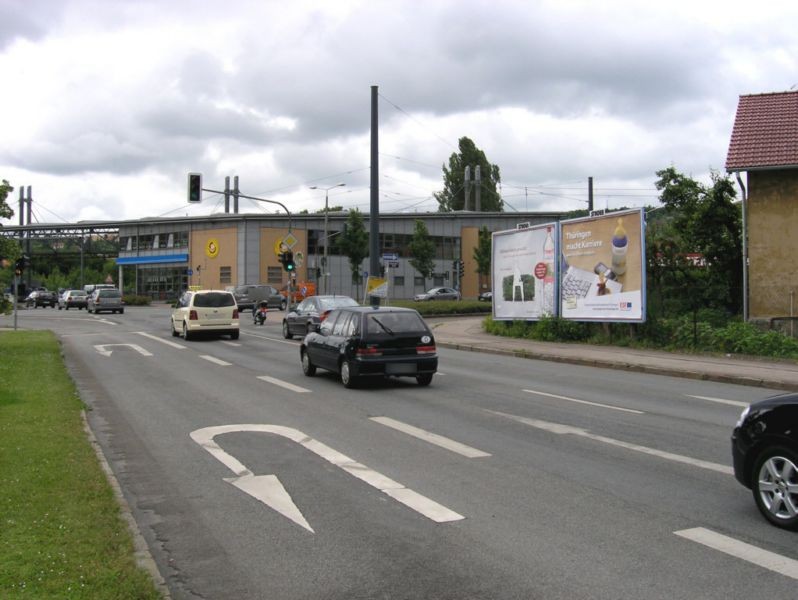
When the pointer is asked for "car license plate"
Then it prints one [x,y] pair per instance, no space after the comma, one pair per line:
[400,369]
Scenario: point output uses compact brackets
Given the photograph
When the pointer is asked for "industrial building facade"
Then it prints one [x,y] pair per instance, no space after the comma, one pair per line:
[161,257]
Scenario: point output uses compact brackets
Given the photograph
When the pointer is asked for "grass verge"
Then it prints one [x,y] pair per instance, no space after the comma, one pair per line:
[61,534]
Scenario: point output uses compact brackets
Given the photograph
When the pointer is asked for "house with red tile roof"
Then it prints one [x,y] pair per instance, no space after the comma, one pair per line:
[764,148]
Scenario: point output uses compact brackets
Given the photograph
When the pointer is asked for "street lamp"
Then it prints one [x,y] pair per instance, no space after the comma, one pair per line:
[326,218]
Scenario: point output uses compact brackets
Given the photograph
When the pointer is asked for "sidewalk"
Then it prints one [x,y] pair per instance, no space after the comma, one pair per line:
[466,333]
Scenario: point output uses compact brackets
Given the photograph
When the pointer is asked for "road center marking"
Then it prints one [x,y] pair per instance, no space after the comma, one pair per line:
[215,360]
[284,384]
[753,554]
[629,410]
[163,341]
[432,438]
[567,429]
[720,400]
[269,490]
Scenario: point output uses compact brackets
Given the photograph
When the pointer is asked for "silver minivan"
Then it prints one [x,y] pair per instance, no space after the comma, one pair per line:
[104,299]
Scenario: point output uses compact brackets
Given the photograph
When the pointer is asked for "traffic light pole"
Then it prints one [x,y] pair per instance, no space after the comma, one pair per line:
[240,195]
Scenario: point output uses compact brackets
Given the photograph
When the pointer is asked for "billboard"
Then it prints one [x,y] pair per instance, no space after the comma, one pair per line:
[602,267]
[524,273]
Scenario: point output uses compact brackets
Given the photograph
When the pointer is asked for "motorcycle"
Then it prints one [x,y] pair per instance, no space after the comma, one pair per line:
[260,313]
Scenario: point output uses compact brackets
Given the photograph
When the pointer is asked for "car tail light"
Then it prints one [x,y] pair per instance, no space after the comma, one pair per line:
[323,316]
[235,313]
[425,349]
[192,315]
[368,351]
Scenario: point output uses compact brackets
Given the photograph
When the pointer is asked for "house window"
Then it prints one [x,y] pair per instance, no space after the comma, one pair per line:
[225,275]
[398,280]
[274,275]
[418,281]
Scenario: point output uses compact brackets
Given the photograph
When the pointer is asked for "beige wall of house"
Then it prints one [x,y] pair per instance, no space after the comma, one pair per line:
[214,251]
[772,243]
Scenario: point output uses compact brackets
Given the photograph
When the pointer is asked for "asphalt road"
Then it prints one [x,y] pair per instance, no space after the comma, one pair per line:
[547,480]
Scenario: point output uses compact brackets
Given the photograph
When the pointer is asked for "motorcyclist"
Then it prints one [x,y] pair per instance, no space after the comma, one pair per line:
[260,312]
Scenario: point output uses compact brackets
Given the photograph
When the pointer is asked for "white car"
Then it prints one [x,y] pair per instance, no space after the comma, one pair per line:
[205,311]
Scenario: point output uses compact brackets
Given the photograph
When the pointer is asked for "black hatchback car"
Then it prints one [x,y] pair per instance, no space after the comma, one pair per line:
[363,341]
[765,455]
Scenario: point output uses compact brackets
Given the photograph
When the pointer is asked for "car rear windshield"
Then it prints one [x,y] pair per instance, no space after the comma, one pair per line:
[110,294]
[395,322]
[214,300]
[330,303]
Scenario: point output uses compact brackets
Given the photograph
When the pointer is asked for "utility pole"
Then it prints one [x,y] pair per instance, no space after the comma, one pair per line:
[227,194]
[478,184]
[590,194]
[374,229]
[236,194]
[466,186]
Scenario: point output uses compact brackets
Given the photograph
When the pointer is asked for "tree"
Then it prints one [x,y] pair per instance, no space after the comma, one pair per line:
[354,242]
[483,252]
[422,248]
[9,249]
[695,220]
[453,195]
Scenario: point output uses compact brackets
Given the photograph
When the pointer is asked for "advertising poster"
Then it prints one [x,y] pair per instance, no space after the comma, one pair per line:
[524,273]
[602,268]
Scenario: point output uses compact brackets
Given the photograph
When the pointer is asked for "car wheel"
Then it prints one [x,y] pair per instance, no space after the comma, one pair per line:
[60,307]
[186,334]
[286,333]
[347,378]
[424,379]
[234,335]
[308,368]
[775,486]
[121,311]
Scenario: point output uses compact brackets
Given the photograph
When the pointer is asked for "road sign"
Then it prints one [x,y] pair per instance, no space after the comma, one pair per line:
[390,256]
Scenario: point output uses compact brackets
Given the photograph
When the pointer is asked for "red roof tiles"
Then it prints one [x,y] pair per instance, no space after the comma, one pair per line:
[765,133]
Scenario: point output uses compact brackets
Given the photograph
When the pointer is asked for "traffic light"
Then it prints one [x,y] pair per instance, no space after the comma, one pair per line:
[23,262]
[461,269]
[287,260]
[194,187]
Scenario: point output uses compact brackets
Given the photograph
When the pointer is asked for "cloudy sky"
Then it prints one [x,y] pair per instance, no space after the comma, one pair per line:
[108,104]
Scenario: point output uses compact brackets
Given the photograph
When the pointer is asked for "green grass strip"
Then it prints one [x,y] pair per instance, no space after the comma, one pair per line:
[61,533]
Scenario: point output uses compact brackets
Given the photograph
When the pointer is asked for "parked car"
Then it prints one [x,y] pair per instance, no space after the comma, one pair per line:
[439,293]
[311,312]
[249,296]
[365,341]
[73,299]
[205,311]
[485,297]
[41,297]
[765,457]
[105,299]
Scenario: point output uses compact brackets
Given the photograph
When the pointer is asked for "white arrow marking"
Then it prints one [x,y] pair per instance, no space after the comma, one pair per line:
[101,348]
[269,490]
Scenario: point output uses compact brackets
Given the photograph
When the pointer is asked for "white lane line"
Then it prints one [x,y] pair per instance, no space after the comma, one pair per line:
[284,384]
[432,438]
[629,410]
[234,344]
[215,360]
[567,429]
[720,400]
[163,341]
[272,339]
[727,545]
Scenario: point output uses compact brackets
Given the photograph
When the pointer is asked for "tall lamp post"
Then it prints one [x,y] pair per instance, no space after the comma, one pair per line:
[326,221]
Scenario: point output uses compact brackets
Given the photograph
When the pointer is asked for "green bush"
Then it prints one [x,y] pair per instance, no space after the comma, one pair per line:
[136,300]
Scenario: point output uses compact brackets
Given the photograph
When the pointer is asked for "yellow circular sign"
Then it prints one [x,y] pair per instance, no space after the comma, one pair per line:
[212,248]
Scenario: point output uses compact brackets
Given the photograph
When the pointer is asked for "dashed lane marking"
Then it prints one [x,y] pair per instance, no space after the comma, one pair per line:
[163,341]
[284,384]
[214,360]
[629,410]
[720,400]
[432,438]
[732,547]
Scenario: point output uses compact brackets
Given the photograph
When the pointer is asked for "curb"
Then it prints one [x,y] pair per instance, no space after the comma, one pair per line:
[141,551]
